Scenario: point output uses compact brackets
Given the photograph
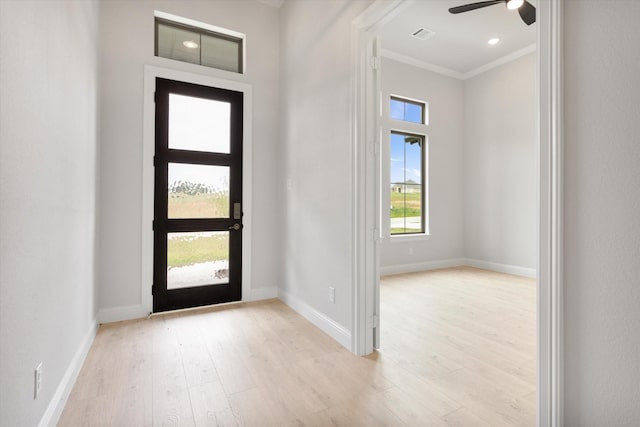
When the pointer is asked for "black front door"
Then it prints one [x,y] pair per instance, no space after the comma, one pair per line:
[198,194]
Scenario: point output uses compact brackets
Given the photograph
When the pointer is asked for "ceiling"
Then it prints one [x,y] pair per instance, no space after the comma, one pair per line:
[459,46]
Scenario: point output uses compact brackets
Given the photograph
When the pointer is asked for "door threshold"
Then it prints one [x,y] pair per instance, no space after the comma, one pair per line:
[210,307]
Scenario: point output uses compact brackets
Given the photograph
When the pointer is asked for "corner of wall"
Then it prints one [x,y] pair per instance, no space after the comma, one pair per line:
[117,314]
[326,324]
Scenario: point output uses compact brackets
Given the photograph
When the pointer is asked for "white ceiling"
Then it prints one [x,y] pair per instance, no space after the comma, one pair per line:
[460,41]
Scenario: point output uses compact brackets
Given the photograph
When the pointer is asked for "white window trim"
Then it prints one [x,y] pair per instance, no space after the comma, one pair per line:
[394,125]
[404,238]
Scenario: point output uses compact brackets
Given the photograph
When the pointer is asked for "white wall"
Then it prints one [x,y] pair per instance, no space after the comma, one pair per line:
[48,144]
[127,45]
[602,213]
[482,168]
[500,165]
[317,154]
[445,163]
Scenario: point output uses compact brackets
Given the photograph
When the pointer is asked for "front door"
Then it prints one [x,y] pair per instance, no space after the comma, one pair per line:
[198,194]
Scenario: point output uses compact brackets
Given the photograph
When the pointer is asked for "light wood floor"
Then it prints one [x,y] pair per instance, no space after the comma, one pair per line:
[458,349]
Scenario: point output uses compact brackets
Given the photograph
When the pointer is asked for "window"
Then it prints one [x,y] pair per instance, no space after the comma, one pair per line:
[407,177]
[405,173]
[408,111]
[176,39]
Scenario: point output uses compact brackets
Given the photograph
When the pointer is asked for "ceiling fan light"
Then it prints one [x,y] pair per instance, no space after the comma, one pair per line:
[514,4]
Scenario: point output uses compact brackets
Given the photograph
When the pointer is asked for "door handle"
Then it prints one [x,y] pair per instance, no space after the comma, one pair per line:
[235,226]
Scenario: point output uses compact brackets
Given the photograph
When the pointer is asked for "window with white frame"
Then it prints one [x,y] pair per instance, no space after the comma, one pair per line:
[186,40]
[407,168]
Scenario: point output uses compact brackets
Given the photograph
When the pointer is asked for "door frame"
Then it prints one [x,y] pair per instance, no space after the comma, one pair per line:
[366,222]
[148,150]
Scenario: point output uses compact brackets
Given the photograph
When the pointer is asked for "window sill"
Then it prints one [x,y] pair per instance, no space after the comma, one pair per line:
[409,238]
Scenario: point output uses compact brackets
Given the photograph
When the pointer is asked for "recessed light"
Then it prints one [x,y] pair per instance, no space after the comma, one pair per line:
[190,44]
[514,4]
[494,41]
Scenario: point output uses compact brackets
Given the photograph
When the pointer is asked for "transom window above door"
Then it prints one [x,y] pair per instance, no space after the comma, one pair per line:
[186,40]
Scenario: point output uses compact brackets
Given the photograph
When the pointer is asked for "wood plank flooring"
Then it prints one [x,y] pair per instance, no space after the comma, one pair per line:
[458,349]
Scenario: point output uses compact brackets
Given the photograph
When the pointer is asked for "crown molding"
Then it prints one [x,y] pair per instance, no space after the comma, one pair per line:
[455,74]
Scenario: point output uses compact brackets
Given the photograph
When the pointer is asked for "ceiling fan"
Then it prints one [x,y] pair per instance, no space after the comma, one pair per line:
[526,10]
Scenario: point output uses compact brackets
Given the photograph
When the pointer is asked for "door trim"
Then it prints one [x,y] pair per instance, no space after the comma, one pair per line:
[148,149]
[550,198]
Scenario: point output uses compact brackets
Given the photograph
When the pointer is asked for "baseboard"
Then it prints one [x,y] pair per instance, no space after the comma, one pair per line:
[420,266]
[501,268]
[327,325]
[261,293]
[117,314]
[59,400]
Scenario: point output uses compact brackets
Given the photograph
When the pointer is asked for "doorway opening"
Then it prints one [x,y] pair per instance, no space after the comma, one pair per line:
[186,228]
[367,177]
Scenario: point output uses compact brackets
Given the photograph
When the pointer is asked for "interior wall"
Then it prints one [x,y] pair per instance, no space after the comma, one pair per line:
[445,133]
[48,134]
[500,165]
[317,152]
[601,213]
[482,167]
[127,45]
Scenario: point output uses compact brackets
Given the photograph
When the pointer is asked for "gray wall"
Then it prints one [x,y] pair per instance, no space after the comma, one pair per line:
[482,166]
[602,213]
[445,133]
[317,153]
[126,47]
[500,165]
[48,144]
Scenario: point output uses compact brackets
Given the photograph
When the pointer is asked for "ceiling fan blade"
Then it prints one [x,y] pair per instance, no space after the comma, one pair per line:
[527,12]
[474,6]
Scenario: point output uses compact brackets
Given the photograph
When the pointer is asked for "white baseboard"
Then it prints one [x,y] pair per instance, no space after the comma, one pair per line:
[501,268]
[455,262]
[59,400]
[116,314]
[420,266]
[327,325]
[261,293]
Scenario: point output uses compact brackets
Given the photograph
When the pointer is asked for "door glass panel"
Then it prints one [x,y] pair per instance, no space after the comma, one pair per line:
[199,124]
[197,259]
[198,191]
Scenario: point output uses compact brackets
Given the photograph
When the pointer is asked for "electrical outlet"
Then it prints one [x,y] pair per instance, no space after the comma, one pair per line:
[37,384]
[332,295]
